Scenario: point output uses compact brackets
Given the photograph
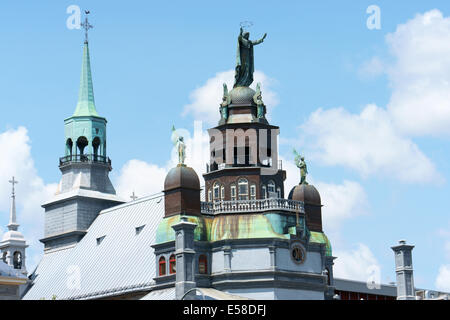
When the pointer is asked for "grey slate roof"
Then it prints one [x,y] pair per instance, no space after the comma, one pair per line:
[122,261]
[162,294]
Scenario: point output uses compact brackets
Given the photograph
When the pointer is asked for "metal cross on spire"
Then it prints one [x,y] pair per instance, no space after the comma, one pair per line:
[12,213]
[86,26]
[133,196]
[13,181]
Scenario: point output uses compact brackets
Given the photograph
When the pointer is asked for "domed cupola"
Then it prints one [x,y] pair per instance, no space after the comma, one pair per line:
[309,195]
[182,191]
[313,207]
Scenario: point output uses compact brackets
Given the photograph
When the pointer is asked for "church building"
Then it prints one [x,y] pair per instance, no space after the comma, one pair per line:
[233,232]
[246,240]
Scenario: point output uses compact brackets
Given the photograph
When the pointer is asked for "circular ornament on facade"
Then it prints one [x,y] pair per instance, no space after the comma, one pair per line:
[298,253]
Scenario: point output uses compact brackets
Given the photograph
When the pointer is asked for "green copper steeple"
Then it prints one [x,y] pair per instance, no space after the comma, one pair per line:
[85,130]
[86,103]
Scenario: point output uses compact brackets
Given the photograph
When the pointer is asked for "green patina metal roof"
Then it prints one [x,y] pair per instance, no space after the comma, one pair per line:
[86,103]
[320,237]
[165,233]
[242,226]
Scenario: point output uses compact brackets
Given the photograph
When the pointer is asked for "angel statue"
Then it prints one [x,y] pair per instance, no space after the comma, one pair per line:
[226,100]
[257,98]
[178,142]
[301,164]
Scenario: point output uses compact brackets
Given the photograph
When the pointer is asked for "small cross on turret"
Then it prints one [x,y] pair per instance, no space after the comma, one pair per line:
[133,196]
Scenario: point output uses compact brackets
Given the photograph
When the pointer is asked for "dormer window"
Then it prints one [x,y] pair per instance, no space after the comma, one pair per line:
[139,229]
[100,239]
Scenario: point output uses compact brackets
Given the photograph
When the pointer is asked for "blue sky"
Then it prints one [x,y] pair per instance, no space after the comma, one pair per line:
[383,168]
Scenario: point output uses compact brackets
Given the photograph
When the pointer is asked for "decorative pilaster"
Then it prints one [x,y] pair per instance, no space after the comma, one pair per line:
[185,253]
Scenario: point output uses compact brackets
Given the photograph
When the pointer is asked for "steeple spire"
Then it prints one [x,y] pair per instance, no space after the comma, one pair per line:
[13,225]
[86,103]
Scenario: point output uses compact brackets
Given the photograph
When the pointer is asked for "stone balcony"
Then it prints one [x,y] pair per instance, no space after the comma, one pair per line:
[252,206]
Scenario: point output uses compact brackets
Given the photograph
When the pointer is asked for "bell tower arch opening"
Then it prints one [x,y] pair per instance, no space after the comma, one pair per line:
[69,146]
[96,147]
[82,142]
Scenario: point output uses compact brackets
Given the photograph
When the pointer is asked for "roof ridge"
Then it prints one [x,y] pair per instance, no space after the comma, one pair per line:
[129,203]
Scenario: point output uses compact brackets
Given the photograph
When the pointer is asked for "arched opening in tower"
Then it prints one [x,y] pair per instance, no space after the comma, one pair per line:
[82,142]
[69,145]
[17,260]
[95,147]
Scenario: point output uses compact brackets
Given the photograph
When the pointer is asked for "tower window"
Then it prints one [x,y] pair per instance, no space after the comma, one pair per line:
[162,266]
[172,264]
[4,256]
[243,189]
[222,192]
[216,191]
[264,192]
[271,186]
[279,192]
[233,192]
[209,196]
[252,192]
[202,264]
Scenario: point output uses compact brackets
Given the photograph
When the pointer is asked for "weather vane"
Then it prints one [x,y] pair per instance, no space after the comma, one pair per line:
[86,26]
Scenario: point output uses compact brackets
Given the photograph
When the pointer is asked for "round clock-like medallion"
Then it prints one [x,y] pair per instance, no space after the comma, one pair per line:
[298,253]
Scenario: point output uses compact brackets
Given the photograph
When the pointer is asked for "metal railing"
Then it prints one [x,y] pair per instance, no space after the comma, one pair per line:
[248,206]
[84,158]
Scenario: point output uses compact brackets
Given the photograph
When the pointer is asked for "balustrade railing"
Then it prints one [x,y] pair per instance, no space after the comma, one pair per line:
[245,206]
[84,158]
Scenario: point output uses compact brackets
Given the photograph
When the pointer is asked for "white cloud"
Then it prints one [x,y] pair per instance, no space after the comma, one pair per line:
[205,100]
[146,178]
[357,264]
[374,67]
[31,191]
[443,279]
[141,177]
[368,143]
[341,202]
[420,74]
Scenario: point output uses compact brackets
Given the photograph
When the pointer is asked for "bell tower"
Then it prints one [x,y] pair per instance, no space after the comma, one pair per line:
[85,188]
[13,243]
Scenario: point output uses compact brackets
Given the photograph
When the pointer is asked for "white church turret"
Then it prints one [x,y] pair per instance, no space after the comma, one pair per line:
[13,243]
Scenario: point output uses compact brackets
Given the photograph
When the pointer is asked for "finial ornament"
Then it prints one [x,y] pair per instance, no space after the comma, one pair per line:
[301,164]
[245,65]
[133,196]
[178,142]
[86,26]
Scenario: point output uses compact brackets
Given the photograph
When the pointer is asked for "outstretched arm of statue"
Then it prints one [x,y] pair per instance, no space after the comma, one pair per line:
[260,40]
